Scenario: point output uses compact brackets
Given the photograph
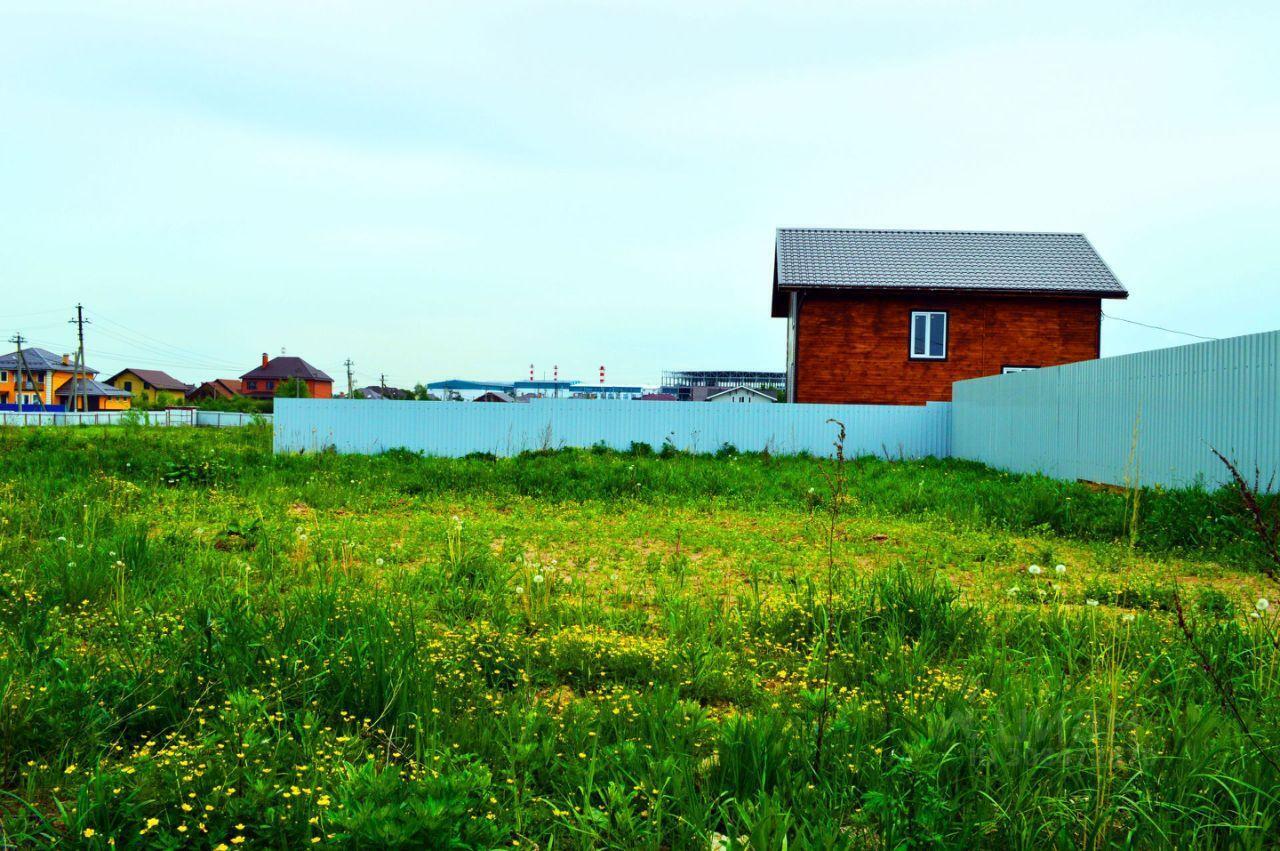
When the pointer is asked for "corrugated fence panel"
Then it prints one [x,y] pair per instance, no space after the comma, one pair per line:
[224,419]
[459,428]
[1165,408]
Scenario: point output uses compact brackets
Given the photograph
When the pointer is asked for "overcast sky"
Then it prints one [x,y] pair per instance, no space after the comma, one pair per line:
[439,190]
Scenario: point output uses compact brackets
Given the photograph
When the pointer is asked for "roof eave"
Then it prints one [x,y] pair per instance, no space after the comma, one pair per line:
[842,288]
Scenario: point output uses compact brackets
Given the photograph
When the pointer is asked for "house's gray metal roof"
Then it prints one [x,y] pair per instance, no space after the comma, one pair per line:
[840,258]
[91,388]
[39,360]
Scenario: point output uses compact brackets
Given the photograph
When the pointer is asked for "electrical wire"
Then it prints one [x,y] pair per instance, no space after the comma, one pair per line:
[36,313]
[1158,327]
[153,352]
[133,356]
[156,344]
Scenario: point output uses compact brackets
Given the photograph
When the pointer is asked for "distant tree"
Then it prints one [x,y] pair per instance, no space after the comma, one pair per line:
[422,394]
[356,394]
[292,388]
[161,401]
[241,404]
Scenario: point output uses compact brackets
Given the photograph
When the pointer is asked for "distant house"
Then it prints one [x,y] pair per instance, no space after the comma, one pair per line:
[262,381]
[149,384]
[742,395]
[44,375]
[700,393]
[218,388]
[377,391]
[894,317]
[496,396]
[658,397]
[99,396]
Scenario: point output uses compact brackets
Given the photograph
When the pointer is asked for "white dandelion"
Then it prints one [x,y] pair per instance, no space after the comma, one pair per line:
[1091,602]
[1059,569]
[537,579]
[1263,604]
[1034,570]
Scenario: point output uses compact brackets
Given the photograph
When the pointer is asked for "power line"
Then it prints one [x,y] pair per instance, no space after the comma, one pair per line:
[33,313]
[1158,327]
[133,356]
[158,344]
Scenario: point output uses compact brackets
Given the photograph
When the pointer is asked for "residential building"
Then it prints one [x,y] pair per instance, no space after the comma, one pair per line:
[743,395]
[695,385]
[98,395]
[377,391]
[218,388]
[44,374]
[262,381]
[894,317]
[496,396]
[150,384]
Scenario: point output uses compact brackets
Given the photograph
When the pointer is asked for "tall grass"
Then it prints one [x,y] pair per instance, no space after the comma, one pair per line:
[202,644]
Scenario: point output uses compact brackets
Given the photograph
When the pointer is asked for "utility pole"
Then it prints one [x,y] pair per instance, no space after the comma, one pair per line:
[79,392]
[351,384]
[17,339]
[382,379]
[22,368]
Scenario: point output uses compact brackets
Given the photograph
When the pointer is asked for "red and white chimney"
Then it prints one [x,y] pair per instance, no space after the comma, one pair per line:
[602,373]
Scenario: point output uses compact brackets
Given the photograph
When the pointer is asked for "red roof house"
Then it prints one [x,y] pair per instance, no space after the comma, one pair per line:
[219,388]
[262,381]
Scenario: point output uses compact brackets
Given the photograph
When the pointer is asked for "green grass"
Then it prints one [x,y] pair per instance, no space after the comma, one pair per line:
[203,644]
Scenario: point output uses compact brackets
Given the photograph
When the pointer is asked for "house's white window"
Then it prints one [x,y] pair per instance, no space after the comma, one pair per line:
[1005,370]
[929,334]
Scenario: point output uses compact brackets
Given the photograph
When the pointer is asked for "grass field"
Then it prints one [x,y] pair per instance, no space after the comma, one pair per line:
[203,645]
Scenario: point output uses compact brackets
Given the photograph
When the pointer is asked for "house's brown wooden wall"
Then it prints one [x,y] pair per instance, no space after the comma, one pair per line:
[855,347]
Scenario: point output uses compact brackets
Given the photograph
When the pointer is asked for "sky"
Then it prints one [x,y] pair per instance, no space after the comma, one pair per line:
[440,190]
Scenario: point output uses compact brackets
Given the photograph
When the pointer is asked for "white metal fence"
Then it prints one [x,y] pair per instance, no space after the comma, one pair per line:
[169,417]
[459,428]
[224,419]
[1167,408]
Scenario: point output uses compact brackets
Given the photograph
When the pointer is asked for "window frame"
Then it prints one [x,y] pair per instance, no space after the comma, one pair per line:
[1011,368]
[946,335]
